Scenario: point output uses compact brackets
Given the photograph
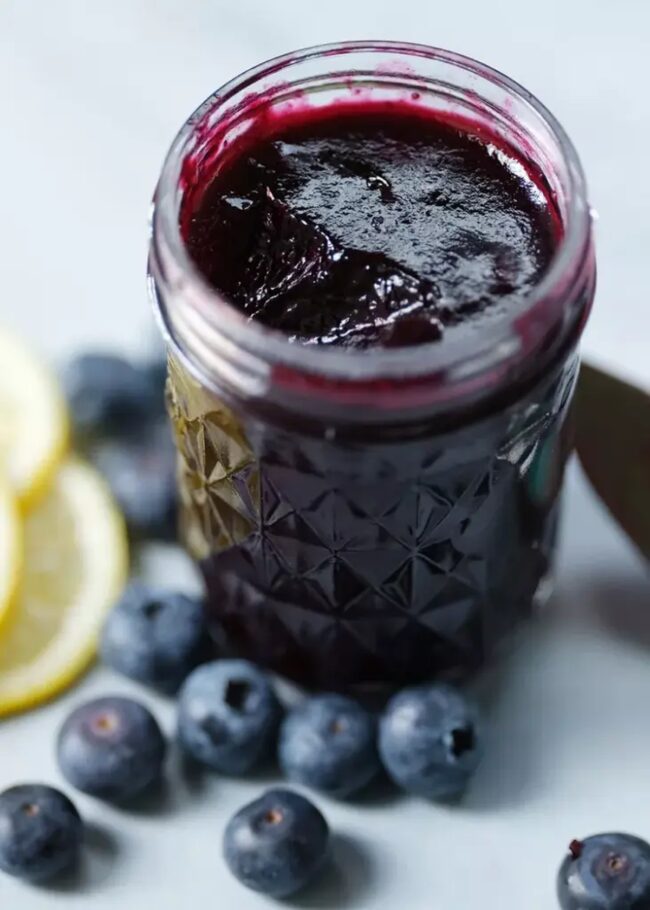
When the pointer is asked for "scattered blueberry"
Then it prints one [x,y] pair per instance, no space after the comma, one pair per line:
[606,872]
[40,832]
[430,741]
[157,370]
[141,472]
[228,716]
[329,742]
[156,637]
[111,748]
[108,393]
[277,843]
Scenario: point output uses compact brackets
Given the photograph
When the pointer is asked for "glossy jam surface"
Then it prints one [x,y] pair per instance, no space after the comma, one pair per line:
[348,556]
[366,228]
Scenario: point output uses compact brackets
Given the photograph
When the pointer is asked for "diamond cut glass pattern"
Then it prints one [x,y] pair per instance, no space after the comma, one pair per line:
[342,563]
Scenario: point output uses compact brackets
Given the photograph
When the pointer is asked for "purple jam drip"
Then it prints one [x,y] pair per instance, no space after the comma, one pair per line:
[367,227]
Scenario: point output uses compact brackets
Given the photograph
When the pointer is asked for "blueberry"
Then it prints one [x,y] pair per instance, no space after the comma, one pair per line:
[157,371]
[606,872]
[430,741]
[277,843]
[141,472]
[108,394]
[156,637]
[40,832]
[329,742]
[111,748]
[228,716]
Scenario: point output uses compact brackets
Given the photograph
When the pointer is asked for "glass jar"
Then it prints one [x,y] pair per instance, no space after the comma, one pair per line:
[373,516]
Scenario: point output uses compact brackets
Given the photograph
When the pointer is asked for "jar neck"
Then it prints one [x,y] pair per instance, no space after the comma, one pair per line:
[244,359]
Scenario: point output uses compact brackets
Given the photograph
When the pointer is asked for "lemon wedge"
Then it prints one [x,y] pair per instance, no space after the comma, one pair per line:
[75,566]
[11,549]
[33,421]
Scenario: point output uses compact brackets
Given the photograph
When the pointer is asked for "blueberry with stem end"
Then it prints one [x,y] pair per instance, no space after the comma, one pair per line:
[41,832]
[329,742]
[605,872]
[111,748]
[277,844]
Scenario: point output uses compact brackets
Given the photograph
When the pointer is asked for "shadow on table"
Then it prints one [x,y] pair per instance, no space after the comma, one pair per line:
[157,800]
[99,854]
[513,745]
[515,695]
[622,607]
[348,878]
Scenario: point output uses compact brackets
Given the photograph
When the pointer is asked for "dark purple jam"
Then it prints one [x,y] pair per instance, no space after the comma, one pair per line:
[369,229]
[350,555]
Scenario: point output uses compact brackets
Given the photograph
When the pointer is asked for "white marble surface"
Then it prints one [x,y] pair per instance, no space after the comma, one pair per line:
[90,95]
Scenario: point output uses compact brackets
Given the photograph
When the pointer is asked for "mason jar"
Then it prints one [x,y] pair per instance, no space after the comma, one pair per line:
[378,516]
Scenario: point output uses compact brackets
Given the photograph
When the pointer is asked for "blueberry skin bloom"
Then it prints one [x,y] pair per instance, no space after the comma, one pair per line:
[40,832]
[111,748]
[156,637]
[605,872]
[276,844]
[329,742]
[228,716]
[430,741]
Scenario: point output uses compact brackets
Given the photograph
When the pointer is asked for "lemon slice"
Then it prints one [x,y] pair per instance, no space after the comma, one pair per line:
[10,549]
[33,421]
[75,566]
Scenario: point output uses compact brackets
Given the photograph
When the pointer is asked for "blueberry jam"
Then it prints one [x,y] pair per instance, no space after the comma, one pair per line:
[366,228]
[367,533]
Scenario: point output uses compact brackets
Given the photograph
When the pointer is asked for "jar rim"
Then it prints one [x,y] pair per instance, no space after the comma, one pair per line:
[496,345]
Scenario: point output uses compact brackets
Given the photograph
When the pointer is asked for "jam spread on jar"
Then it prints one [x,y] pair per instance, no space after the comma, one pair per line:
[372,227]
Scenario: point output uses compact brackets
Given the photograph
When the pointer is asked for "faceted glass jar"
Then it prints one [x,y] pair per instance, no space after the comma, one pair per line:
[371,517]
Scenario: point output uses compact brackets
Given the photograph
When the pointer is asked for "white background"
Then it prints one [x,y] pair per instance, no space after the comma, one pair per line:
[91,93]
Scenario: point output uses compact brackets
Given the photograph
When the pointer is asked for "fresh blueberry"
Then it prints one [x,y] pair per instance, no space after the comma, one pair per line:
[157,370]
[605,872]
[430,741]
[156,637]
[277,843]
[108,394]
[329,742]
[40,832]
[228,716]
[111,748]
[141,472]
